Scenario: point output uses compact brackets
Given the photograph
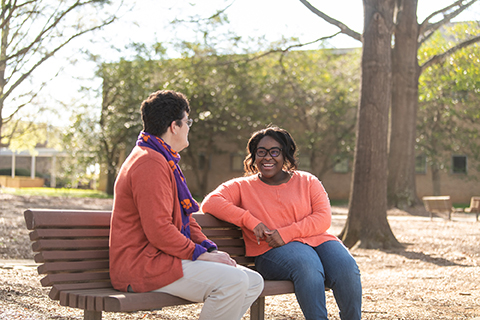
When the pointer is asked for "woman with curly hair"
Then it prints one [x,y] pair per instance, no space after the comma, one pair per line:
[284,214]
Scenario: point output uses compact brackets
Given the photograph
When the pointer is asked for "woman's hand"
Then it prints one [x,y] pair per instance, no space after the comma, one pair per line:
[274,239]
[260,232]
[218,256]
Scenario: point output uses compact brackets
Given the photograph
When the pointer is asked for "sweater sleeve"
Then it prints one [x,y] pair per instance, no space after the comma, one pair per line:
[153,191]
[224,203]
[317,222]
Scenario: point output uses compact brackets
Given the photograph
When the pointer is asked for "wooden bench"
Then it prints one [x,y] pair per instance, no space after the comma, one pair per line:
[474,207]
[440,205]
[73,249]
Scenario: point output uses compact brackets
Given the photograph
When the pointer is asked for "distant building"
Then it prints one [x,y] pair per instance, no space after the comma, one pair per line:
[42,163]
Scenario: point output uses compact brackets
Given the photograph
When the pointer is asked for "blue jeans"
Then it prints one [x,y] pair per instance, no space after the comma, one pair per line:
[311,269]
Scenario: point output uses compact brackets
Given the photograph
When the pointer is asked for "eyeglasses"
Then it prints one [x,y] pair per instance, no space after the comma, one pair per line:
[274,152]
[189,122]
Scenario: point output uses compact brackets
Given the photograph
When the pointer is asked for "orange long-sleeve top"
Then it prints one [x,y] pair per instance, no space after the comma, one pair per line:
[299,209]
[146,245]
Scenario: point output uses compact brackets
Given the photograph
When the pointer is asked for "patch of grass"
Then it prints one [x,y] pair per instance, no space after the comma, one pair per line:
[339,203]
[57,192]
[461,205]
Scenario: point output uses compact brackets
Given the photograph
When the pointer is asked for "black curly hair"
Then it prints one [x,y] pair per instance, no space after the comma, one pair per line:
[282,136]
[161,108]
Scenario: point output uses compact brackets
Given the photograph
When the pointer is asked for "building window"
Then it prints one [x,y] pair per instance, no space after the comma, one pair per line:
[421,164]
[237,161]
[459,164]
[340,165]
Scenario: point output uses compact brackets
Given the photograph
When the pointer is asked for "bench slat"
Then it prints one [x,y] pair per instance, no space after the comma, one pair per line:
[146,301]
[57,288]
[68,233]
[52,279]
[45,218]
[229,242]
[72,266]
[277,287]
[49,244]
[83,296]
[56,255]
[209,221]
[224,233]
[244,261]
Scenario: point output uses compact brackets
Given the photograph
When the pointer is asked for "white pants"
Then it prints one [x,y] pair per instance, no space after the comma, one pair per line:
[227,292]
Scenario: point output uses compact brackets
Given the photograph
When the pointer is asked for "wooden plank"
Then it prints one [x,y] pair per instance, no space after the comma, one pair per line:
[244,261]
[52,279]
[116,301]
[55,255]
[72,266]
[126,302]
[275,287]
[206,220]
[69,233]
[233,251]
[229,242]
[84,294]
[47,218]
[62,244]
[57,288]
[222,233]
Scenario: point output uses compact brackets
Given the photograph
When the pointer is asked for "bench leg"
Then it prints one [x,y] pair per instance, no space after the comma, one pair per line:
[92,315]
[257,310]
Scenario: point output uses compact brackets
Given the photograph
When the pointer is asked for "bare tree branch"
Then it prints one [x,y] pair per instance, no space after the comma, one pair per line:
[427,28]
[213,16]
[46,57]
[439,58]
[299,45]
[33,31]
[344,29]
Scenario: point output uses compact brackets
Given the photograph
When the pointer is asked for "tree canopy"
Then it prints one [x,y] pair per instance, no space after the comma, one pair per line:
[32,32]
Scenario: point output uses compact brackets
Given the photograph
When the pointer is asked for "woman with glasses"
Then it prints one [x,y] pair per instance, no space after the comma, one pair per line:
[155,243]
[284,215]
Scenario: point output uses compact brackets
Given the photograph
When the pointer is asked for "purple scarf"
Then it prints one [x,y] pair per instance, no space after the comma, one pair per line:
[188,204]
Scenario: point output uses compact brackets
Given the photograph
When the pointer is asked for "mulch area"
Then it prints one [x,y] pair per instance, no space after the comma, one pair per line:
[436,276]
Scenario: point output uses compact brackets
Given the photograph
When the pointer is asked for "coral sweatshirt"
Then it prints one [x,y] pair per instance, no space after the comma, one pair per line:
[146,245]
[299,209]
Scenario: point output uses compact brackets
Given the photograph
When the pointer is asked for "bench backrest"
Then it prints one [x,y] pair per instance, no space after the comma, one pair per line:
[474,205]
[73,246]
[438,204]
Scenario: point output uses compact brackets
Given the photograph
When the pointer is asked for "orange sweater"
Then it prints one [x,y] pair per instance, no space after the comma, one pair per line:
[298,209]
[146,245]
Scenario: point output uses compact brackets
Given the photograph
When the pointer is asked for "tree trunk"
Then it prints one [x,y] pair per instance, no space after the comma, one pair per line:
[110,181]
[436,179]
[405,73]
[367,217]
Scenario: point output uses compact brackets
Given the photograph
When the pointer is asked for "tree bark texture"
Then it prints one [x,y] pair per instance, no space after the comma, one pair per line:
[367,222]
[405,74]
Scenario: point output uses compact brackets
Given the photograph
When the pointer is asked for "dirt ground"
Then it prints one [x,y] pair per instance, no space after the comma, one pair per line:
[436,276]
